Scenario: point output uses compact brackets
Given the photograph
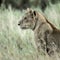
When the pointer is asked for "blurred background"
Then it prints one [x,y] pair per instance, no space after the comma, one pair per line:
[23,4]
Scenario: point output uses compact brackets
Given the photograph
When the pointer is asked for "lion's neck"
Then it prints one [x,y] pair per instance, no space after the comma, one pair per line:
[38,26]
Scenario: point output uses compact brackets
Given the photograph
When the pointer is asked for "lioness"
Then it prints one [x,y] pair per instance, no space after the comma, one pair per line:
[47,36]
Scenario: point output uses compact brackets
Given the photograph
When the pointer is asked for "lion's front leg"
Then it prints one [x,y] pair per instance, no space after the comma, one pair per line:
[50,45]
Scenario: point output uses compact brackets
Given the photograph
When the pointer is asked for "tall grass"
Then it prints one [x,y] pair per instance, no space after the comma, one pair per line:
[17,44]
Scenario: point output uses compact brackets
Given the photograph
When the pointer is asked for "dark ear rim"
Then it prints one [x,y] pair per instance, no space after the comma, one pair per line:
[34,12]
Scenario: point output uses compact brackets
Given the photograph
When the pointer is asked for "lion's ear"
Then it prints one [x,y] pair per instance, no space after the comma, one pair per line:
[29,10]
[34,13]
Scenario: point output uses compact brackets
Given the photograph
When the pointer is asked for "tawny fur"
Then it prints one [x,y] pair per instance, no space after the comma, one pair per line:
[47,36]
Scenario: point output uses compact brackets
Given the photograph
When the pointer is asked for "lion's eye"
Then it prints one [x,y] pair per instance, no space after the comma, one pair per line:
[25,18]
[31,16]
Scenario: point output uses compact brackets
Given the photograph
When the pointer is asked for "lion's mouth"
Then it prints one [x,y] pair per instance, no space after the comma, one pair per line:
[22,27]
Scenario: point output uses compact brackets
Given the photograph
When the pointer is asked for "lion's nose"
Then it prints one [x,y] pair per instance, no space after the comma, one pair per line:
[18,23]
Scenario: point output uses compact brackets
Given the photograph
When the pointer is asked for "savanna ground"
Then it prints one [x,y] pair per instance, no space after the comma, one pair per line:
[17,44]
